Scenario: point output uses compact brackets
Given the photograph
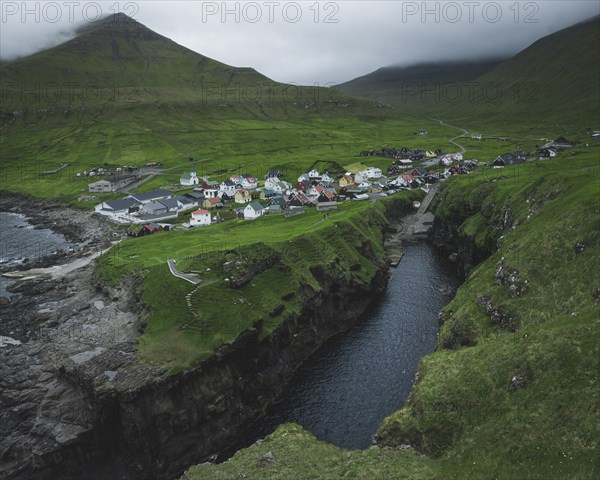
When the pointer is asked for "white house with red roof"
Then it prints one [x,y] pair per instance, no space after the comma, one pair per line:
[200,218]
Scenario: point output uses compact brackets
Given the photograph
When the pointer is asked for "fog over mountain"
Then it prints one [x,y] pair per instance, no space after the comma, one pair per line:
[309,42]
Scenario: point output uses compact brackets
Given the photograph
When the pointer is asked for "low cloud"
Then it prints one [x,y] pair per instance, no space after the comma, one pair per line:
[310,42]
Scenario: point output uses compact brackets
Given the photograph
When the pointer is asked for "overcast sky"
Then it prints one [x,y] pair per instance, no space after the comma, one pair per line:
[309,42]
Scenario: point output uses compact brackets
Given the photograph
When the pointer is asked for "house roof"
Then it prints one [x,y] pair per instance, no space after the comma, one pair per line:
[155,205]
[243,191]
[121,204]
[257,207]
[194,196]
[214,201]
[200,212]
[159,193]
[169,202]
[228,183]
[278,200]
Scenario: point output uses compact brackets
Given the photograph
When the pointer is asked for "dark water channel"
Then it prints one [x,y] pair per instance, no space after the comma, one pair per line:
[344,391]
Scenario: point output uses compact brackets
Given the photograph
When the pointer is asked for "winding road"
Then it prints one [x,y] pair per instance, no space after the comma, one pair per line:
[452,140]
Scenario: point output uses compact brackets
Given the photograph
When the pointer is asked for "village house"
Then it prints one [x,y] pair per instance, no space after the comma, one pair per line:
[211,203]
[371,172]
[445,160]
[228,187]
[277,201]
[304,177]
[249,183]
[280,187]
[360,177]
[189,179]
[271,182]
[273,174]
[253,211]
[209,184]
[508,159]
[112,184]
[346,180]
[243,196]
[118,209]
[267,193]
[476,136]
[299,199]
[418,172]
[315,190]
[211,192]
[326,179]
[314,174]
[326,196]
[101,186]
[200,218]
[549,152]
[185,202]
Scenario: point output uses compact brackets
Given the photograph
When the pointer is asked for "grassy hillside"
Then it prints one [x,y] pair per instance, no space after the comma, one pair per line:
[397,85]
[554,82]
[219,145]
[512,390]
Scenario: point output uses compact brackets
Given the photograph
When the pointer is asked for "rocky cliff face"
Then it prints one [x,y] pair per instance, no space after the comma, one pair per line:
[462,248]
[66,415]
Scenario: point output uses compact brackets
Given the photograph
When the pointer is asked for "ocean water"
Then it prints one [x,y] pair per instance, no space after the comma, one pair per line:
[19,240]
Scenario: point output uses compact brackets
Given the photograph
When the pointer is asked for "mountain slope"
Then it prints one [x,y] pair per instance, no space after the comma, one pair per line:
[118,62]
[118,52]
[389,84]
[556,79]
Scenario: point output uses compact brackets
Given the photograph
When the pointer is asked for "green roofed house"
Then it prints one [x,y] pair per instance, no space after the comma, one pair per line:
[253,211]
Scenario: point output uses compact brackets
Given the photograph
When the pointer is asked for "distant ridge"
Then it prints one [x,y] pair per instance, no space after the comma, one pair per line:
[556,77]
[388,84]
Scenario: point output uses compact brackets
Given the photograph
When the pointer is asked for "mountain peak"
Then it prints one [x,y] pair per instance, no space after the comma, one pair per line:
[115,24]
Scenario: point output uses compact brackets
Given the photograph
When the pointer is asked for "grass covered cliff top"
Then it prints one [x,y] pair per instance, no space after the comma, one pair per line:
[253,274]
[512,391]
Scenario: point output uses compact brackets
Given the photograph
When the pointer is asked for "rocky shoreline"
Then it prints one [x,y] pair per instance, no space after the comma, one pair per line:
[91,232]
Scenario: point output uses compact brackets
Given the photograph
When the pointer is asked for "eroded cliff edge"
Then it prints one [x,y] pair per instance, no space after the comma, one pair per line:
[78,403]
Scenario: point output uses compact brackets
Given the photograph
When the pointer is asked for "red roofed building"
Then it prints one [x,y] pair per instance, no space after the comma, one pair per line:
[200,218]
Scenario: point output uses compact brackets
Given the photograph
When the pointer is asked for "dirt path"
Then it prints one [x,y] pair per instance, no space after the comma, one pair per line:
[185,276]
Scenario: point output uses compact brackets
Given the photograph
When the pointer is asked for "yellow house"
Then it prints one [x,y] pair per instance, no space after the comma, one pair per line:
[243,196]
[346,180]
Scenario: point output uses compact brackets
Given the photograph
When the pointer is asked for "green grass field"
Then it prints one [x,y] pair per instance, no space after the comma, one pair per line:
[219,148]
